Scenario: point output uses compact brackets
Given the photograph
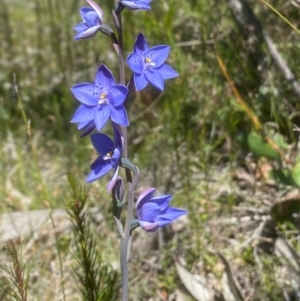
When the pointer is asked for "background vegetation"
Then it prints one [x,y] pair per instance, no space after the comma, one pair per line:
[220,138]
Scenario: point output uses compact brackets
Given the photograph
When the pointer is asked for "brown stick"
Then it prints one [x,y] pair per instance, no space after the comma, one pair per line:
[254,33]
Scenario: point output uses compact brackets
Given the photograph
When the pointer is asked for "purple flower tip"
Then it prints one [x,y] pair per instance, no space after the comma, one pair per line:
[148,65]
[155,212]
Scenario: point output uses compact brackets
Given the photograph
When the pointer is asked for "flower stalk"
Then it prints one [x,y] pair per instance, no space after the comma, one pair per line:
[106,100]
[130,200]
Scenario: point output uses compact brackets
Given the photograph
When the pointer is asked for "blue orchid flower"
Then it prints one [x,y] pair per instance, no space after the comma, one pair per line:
[154,212]
[148,65]
[92,21]
[109,156]
[100,101]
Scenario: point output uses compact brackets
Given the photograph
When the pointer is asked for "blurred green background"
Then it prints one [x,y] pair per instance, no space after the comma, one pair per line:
[189,141]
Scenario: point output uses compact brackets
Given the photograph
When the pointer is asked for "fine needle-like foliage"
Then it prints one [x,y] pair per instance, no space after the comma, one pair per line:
[97,280]
[17,274]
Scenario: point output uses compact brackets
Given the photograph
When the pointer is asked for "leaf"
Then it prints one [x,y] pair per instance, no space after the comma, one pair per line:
[282,176]
[260,148]
[279,140]
[198,289]
[233,292]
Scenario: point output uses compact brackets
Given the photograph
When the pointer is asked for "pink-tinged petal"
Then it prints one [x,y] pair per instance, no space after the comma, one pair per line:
[155,79]
[89,32]
[134,62]
[149,227]
[117,95]
[162,201]
[84,114]
[136,5]
[163,222]
[141,44]
[86,93]
[97,8]
[102,143]
[144,196]
[130,5]
[166,71]
[158,54]
[98,173]
[148,212]
[140,81]
[101,116]
[119,115]
[113,180]
[78,36]
[104,78]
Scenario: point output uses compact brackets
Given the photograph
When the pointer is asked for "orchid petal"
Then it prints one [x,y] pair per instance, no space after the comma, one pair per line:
[155,79]
[144,197]
[158,54]
[166,71]
[83,124]
[91,19]
[113,180]
[140,81]
[99,162]
[104,78]
[141,44]
[170,215]
[98,172]
[97,8]
[162,201]
[84,10]
[149,227]
[117,95]
[101,116]
[118,136]
[136,4]
[88,129]
[102,143]
[115,159]
[119,115]
[83,114]
[88,33]
[148,212]
[130,5]
[134,62]
[80,27]
[86,93]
